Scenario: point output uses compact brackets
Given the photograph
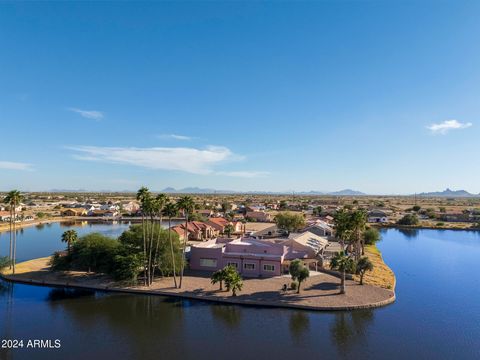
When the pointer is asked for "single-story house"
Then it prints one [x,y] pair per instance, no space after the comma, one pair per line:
[377,216]
[130,206]
[5,215]
[103,213]
[219,224]
[197,231]
[319,228]
[257,258]
[74,212]
[204,212]
[260,216]
[110,207]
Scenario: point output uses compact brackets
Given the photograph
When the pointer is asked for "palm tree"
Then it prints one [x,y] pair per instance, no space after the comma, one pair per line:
[342,263]
[342,227]
[186,204]
[13,198]
[219,276]
[170,210]
[6,200]
[69,237]
[228,230]
[142,195]
[233,282]
[225,207]
[303,274]
[158,205]
[358,221]
[363,265]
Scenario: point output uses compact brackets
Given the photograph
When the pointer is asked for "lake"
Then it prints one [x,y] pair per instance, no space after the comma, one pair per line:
[436,315]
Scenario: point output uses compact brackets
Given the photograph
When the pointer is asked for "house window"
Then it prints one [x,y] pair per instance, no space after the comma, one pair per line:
[249,266]
[234,264]
[208,262]
[268,267]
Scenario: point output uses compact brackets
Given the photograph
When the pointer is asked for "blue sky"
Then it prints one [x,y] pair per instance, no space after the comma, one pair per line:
[380,96]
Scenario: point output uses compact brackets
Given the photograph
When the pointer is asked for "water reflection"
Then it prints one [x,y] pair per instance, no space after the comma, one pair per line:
[6,289]
[229,315]
[40,226]
[73,223]
[409,233]
[133,315]
[58,294]
[299,324]
[349,329]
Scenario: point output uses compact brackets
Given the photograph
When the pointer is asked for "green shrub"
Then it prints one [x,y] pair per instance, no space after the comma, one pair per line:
[409,219]
[41,215]
[293,285]
[94,252]
[126,267]
[60,262]
[440,224]
[371,236]
[4,262]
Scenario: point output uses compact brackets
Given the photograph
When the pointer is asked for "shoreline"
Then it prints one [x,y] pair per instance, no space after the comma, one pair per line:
[5,227]
[421,227]
[263,292]
[23,225]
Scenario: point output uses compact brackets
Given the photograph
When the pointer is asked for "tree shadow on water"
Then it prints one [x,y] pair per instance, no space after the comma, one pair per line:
[230,315]
[58,294]
[349,329]
[410,234]
[299,324]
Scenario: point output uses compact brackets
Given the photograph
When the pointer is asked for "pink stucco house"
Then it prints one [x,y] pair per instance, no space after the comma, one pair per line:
[256,258]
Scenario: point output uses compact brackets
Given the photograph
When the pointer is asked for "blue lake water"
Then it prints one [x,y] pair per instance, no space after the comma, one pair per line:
[436,315]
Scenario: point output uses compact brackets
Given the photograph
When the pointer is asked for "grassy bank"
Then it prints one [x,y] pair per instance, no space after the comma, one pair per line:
[381,275]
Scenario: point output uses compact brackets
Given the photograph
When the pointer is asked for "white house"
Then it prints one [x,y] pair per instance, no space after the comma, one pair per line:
[110,207]
[377,216]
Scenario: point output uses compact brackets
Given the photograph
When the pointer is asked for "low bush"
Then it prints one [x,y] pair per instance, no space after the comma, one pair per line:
[60,262]
[409,219]
[4,262]
[293,285]
[371,236]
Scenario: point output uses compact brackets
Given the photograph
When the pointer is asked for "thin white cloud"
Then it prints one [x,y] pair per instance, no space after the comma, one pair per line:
[447,125]
[88,114]
[174,136]
[243,174]
[190,160]
[10,165]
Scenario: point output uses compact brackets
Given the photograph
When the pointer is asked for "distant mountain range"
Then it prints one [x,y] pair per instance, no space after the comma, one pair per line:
[346,192]
[449,193]
[197,190]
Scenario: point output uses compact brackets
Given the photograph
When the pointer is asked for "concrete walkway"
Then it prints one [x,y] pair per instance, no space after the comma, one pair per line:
[320,292]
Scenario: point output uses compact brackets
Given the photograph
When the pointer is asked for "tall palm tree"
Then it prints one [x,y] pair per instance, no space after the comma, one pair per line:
[154,209]
[13,198]
[143,194]
[170,210]
[358,222]
[186,204]
[69,237]
[342,263]
[342,226]
[6,200]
